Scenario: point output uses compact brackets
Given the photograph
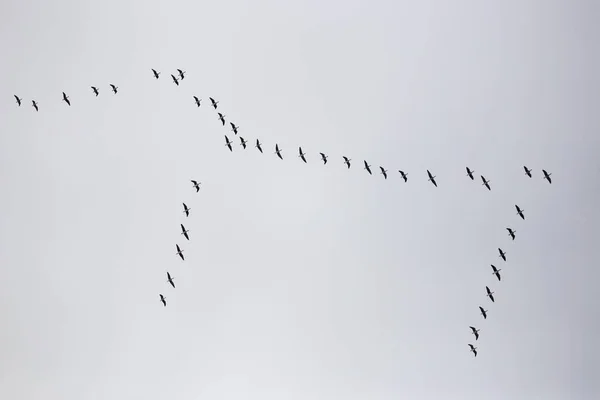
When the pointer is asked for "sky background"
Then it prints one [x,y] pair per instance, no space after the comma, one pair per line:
[301,281]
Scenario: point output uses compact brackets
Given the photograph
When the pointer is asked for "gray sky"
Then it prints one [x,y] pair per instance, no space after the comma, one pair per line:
[300,281]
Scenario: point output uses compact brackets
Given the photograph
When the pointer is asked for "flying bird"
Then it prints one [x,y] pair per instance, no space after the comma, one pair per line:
[404,175]
[179,252]
[473,349]
[214,103]
[483,312]
[184,232]
[489,294]
[257,145]
[278,151]
[181,73]
[383,172]
[486,183]
[511,233]
[156,73]
[170,279]
[431,178]
[527,171]
[368,167]
[324,158]
[470,174]
[234,128]
[66,98]
[114,88]
[18,100]
[196,185]
[163,300]
[502,254]
[496,272]
[520,212]
[228,143]
[347,161]
[95,90]
[222,118]
[34,104]
[197,100]
[243,142]
[301,154]
[475,332]
[186,210]
[175,79]
[547,176]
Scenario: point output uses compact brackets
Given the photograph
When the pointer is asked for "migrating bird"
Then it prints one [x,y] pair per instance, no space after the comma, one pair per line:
[18,100]
[156,73]
[383,172]
[181,73]
[196,185]
[324,158]
[66,98]
[278,152]
[257,145]
[301,155]
[222,118]
[502,254]
[475,332]
[170,279]
[404,175]
[547,176]
[179,252]
[470,174]
[163,300]
[347,161]
[175,79]
[511,233]
[114,88]
[368,167]
[483,312]
[496,271]
[228,143]
[486,183]
[431,178]
[489,294]
[184,232]
[234,128]
[520,212]
[527,171]
[95,90]
[34,104]
[197,100]
[473,349]
[243,142]
[214,103]
[186,210]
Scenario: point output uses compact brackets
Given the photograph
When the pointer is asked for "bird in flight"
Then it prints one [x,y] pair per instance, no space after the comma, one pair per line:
[489,294]
[34,104]
[483,312]
[95,90]
[470,174]
[496,272]
[243,142]
[175,79]
[214,103]
[347,161]
[170,279]
[186,210]
[114,88]
[197,100]
[475,332]
[18,100]
[431,178]
[473,349]
[486,183]
[156,73]
[368,167]
[502,254]
[278,151]
[520,212]
[511,233]
[181,73]
[66,98]
[383,172]
[179,252]
[258,145]
[234,128]
[527,171]
[547,176]
[301,154]
[324,158]
[404,176]
[163,300]
[222,118]
[228,143]
[196,185]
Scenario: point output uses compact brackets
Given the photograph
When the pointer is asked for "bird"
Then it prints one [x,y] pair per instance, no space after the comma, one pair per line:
[156,73]
[547,176]
[34,104]
[520,212]
[483,312]
[214,103]
[511,233]
[175,79]
[502,254]
[196,185]
[163,300]
[301,154]
[431,178]
[197,100]
[243,142]
[470,174]
[95,90]
[347,161]
[18,100]
[257,145]
[496,271]
[181,73]
[475,332]
[184,232]
[170,279]
[179,252]
[473,349]
[278,151]
[527,171]
[114,88]
[228,143]
[222,118]
[383,172]
[404,175]
[186,210]
[368,167]
[234,128]
[66,98]
[486,183]
[489,294]
[324,158]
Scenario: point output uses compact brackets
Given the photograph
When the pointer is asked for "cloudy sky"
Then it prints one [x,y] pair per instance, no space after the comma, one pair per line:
[301,281]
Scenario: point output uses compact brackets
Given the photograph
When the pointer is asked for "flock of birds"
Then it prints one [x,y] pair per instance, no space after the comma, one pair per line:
[180,75]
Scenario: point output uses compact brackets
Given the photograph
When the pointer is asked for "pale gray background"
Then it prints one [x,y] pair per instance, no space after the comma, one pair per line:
[301,281]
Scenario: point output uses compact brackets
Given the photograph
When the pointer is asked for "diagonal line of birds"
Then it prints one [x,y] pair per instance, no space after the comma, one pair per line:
[180,76]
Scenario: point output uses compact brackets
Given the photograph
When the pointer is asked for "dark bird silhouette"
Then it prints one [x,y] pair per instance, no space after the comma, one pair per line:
[278,151]
[520,212]
[511,233]
[383,172]
[486,183]
[197,100]
[156,73]
[95,90]
[66,98]
[234,128]
[186,210]
[404,175]
[475,332]
[368,167]
[18,100]
[502,254]
[473,349]
[496,271]
[114,88]
[547,176]
[243,142]
[34,104]
[489,294]
[170,279]
[431,178]
[196,185]
[184,232]
[483,312]
[222,118]
[213,102]
[324,158]
[181,73]
[163,300]
[470,174]
[175,79]
[527,171]
[301,154]
[347,161]
[258,146]
[228,143]
[179,252]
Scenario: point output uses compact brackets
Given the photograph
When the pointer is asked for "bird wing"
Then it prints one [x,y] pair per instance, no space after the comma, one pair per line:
[178,249]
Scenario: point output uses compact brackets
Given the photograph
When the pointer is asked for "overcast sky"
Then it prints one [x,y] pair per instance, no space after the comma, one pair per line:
[301,281]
